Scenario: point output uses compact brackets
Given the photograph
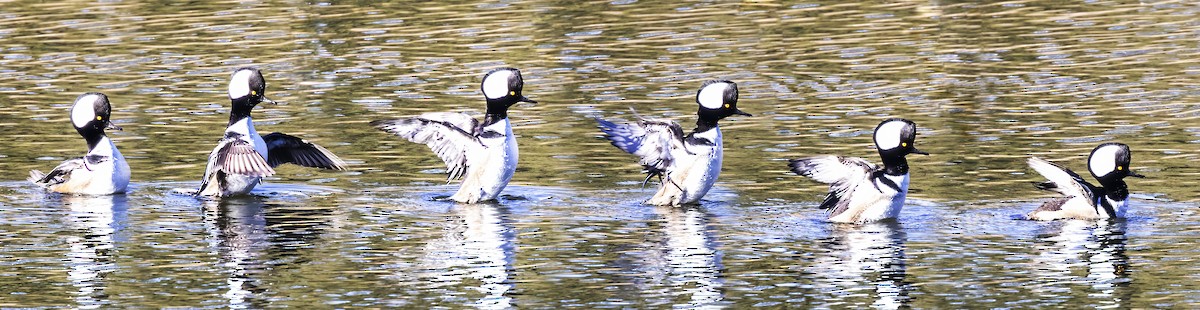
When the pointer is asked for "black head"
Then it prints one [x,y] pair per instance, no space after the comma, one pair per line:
[1110,162]
[247,89]
[717,100]
[896,137]
[247,86]
[90,116]
[502,88]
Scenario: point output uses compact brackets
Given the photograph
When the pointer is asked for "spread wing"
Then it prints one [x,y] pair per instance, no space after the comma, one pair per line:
[1062,180]
[843,174]
[59,175]
[235,155]
[460,120]
[283,149]
[450,135]
[655,141]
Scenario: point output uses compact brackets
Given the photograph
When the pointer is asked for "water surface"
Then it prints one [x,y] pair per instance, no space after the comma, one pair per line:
[988,84]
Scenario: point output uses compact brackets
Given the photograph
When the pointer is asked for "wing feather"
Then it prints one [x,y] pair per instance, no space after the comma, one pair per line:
[450,135]
[655,142]
[459,120]
[843,174]
[59,175]
[283,149]
[237,156]
[234,155]
[1061,180]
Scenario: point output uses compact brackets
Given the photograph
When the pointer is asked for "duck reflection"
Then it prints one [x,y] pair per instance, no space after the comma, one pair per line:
[250,242]
[687,260]
[862,256]
[237,234]
[90,256]
[477,245]
[1097,245]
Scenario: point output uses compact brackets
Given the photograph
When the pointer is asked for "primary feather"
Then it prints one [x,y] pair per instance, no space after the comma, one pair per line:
[450,135]
[843,174]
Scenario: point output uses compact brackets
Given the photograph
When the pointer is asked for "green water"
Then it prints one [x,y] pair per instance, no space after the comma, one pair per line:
[988,84]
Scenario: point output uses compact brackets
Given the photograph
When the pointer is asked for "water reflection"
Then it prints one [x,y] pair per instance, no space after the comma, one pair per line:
[995,82]
[477,245]
[250,242]
[686,262]
[860,256]
[237,234]
[96,219]
[1096,246]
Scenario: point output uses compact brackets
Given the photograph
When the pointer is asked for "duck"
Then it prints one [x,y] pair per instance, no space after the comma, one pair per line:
[1109,164]
[687,164]
[481,153]
[242,157]
[103,170]
[860,191]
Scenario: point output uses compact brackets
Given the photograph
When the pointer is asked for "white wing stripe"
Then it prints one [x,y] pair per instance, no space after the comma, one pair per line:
[442,133]
[1064,182]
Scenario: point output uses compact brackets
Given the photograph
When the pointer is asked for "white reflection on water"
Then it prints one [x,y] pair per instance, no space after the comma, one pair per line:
[858,256]
[1097,246]
[478,245]
[237,235]
[687,258]
[90,257]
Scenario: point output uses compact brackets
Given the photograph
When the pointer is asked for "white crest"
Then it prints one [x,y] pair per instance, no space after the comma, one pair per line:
[495,85]
[713,95]
[239,84]
[84,110]
[888,135]
[1104,160]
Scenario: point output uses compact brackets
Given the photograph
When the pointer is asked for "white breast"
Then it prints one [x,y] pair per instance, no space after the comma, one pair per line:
[107,177]
[695,172]
[490,170]
[245,127]
[873,202]
[121,172]
[1119,207]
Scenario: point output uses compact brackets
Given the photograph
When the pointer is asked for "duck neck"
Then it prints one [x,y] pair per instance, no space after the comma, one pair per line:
[497,109]
[1115,190]
[490,118]
[241,110]
[93,137]
[894,165]
[704,124]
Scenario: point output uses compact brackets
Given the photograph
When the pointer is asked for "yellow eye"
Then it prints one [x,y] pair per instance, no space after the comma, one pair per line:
[726,106]
[904,144]
[1118,168]
[512,93]
[99,118]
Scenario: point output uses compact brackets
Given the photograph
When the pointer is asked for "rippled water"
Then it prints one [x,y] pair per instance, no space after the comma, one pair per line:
[988,84]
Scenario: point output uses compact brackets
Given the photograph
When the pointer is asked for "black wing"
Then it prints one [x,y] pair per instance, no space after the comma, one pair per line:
[284,149]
